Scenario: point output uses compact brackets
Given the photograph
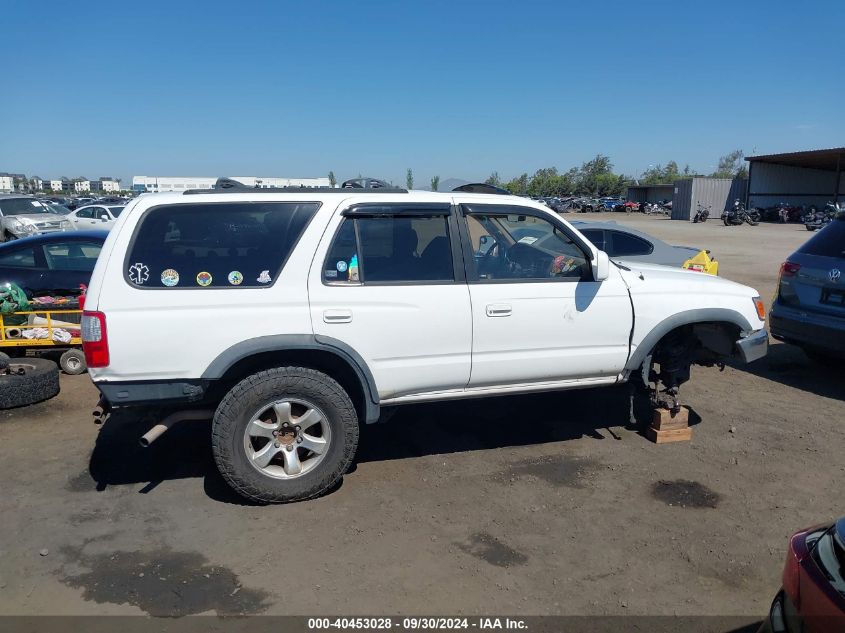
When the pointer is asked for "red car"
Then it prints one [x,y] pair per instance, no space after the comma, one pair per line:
[812,599]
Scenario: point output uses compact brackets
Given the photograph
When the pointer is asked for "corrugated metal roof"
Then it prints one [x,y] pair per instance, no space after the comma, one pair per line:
[815,159]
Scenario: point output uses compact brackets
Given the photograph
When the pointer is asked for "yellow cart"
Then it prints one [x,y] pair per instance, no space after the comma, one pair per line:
[42,330]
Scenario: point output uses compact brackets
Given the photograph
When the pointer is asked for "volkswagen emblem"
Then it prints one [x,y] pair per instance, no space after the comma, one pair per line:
[834,274]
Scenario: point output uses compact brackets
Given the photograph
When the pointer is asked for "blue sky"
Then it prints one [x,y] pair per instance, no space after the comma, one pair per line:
[459,89]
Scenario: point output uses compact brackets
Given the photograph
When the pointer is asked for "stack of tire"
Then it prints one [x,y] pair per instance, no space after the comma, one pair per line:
[38,381]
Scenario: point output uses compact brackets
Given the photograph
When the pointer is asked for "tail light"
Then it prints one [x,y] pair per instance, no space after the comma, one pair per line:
[95,340]
[786,293]
[791,572]
[789,269]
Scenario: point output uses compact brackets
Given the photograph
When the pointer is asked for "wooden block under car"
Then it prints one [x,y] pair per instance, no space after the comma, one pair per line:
[663,419]
[669,435]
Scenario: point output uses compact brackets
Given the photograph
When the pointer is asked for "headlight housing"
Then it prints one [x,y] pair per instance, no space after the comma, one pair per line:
[65,225]
[22,228]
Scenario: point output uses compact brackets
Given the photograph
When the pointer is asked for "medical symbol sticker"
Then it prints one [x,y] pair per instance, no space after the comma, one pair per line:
[204,279]
[139,273]
[236,278]
[169,278]
[264,277]
[342,266]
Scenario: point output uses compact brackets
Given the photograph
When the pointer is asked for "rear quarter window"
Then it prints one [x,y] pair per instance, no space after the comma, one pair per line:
[829,242]
[215,245]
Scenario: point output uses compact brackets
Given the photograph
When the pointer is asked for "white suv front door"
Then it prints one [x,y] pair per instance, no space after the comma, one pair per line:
[388,281]
[537,314]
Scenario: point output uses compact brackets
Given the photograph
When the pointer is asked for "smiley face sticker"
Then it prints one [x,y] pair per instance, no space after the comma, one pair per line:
[204,279]
[236,278]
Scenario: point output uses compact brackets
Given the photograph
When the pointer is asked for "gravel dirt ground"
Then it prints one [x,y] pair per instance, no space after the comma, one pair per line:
[542,504]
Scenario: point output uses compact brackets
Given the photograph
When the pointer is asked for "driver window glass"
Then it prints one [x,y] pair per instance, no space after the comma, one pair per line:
[21,258]
[84,213]
[523,247]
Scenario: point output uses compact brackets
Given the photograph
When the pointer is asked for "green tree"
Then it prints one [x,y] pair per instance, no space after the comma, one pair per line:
[435,183]
[409,179]
[594,175]
[731,165]
[493,179]
[332,179]
[518,186]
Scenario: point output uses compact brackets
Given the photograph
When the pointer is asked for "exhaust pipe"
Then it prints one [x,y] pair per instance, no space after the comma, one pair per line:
[179,416]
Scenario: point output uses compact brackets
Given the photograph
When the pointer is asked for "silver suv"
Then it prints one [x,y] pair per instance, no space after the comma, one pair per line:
[24,216]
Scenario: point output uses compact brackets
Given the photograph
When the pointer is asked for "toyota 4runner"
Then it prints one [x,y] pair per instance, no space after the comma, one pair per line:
[290,315]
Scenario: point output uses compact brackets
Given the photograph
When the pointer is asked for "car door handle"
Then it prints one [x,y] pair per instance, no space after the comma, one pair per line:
[499,310]
[337,316]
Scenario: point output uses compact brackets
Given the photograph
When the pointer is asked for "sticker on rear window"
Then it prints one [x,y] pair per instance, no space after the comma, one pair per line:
[204,279]
[169,278]
[139,273]
[236,278]
[264,277]
[341,266]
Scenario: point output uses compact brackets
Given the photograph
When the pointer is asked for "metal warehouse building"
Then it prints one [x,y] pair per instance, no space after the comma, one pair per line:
[650,193]
[796,178]
[716,193]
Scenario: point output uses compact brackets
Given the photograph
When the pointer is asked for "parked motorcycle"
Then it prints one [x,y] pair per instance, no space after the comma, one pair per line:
[815,220]
[701,214]
[738,214]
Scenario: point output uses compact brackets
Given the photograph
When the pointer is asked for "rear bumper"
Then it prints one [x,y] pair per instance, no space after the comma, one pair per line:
[167,393]
[754,346]
[807,329]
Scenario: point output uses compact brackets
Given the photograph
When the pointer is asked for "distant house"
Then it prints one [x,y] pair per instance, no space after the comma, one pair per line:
[37,183]
[81,185]
[56,185]
[7,183]
[106,184]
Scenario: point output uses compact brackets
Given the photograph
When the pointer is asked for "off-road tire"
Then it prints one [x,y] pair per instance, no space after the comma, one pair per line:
[40,382]
[72,362]
[253,392]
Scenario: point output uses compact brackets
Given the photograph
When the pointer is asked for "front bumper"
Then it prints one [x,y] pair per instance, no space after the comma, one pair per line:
[754,346]
[807,329]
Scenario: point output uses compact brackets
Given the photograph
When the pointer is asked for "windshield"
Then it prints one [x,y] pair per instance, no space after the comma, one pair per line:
[115,211]
[22,206]
[57,208]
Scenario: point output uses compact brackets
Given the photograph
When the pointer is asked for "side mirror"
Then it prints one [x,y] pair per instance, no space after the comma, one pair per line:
[601,266]
[104,218]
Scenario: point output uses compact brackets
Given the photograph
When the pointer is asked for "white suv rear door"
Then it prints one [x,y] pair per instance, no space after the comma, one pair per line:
[388,281]
[537,314]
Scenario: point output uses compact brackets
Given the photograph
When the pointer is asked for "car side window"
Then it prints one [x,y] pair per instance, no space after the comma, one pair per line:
[76,256]
[623,244]
[85,213]
[512,246]
[391,249]
[596,237]
[20,258]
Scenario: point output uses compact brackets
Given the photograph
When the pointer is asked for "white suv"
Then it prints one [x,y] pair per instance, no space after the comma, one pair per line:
[295,314]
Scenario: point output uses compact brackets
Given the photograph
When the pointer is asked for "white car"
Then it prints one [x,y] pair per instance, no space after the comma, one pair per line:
[291,315]
[95,216]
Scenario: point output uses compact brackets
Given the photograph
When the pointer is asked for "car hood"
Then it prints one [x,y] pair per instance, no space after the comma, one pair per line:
[37,218]
[666,279]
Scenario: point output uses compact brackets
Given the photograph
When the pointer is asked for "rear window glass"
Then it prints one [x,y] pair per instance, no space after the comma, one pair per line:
[223,245]
[829,242]
[626,244]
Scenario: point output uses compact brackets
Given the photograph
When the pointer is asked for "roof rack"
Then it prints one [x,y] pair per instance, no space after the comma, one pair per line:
[228,185]
[482,187]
